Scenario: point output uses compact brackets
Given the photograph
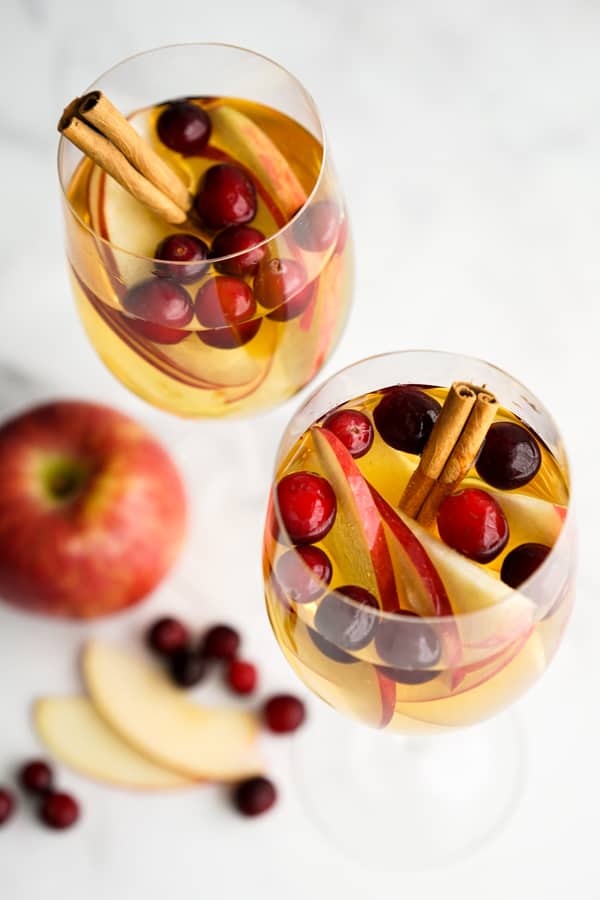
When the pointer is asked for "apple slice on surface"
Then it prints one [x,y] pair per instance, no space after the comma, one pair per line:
[76,735]
[250,145]
[152,715]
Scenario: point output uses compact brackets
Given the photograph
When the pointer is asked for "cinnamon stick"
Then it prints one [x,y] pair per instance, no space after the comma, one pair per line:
[97,109]
[462,456]
[105,154]
[446,431]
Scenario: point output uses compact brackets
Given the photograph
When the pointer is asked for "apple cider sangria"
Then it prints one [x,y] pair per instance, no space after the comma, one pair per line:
[206,237]
[417,574]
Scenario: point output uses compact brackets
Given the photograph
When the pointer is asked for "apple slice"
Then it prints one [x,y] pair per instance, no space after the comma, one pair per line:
[250,145]
[148,712]
[75,734]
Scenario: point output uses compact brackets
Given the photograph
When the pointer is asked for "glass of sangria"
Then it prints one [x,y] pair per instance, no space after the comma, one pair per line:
[206,232]
[419,559]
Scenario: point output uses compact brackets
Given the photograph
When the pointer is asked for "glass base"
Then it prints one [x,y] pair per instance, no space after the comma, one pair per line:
[409,803]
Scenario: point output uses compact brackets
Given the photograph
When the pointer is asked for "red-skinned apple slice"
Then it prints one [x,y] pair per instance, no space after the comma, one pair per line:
[156,719]
[76,735]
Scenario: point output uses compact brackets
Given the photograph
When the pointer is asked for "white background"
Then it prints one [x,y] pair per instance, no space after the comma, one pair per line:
[467,137]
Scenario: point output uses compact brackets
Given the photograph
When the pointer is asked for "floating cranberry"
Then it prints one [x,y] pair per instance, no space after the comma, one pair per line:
[405,416]
[187,667]
[330,650]
[254,796]
[224,300]
[221,642]
[183,257]
[242,676]
[278,281]
[409,676]
[296,305]
[243,240]
[7,805]
[307,506]
[353,429]
[284,713]
[473,523]
[347,625]
[303,573]
[36,777]
[158,334]
[59,811]
[317,226]
[226,196]
[407,645]
[160,301]
[510,456]
[167,636]
[184,127]
[521,563]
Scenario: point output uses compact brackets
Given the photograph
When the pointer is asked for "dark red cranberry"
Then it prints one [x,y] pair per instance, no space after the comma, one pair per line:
[59,811]
[409,676]
[187,667]
[296,305]
[307,506]
[347,625]
[184,127]
[510,456]
[243,240]
[160,301]
[404,417]
[278,281]
[159,334]
[36,777]
[184,257]
[7,805]
[254,796]
[284,713]
[242,676]
[473,523]
[230,336]
[303,573]
[317,227]
[330,650]
[168,635]
[221,642]
[226,196]
[521,563]
[353,429]
[224,300]
[408,645]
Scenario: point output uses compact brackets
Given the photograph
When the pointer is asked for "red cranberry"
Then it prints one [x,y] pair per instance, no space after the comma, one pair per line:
[187,667]
[408,646]
[224,300]
[59,811]
[231,336]
[243,240]
[284,713]
[296,305]
[184,127]
[160,301]
[521,563]
[349,626]
[221,642]
[159,334]
[242,676]
[167,636]
[473,523]
[510,456]
[317,227]
[404,417]
[183,257]
[36,777]
[278,281]
[226,196]
[303,573]
[307,506]
[7,805]
[254,796]
[353,429]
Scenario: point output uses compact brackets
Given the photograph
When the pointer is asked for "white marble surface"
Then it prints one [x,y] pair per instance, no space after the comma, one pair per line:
[468,140]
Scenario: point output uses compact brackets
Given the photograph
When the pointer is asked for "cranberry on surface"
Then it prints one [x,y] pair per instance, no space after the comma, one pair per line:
[7,805]
[284,713]
[36,777]
[59,811]
[242,676]
[221,642]
[187,667]
[254,796]
[168,635]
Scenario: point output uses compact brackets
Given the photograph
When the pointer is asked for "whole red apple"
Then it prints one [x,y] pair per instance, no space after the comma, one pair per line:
[92,510]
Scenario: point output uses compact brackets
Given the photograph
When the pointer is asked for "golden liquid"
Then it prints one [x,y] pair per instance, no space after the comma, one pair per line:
[485,674]
[191,378]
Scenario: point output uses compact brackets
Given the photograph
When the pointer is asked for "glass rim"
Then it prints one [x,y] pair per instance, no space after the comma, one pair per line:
[63,142]
[407,617]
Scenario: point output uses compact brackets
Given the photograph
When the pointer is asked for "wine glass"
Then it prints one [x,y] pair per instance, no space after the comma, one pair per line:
[254,321]
[469,635]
